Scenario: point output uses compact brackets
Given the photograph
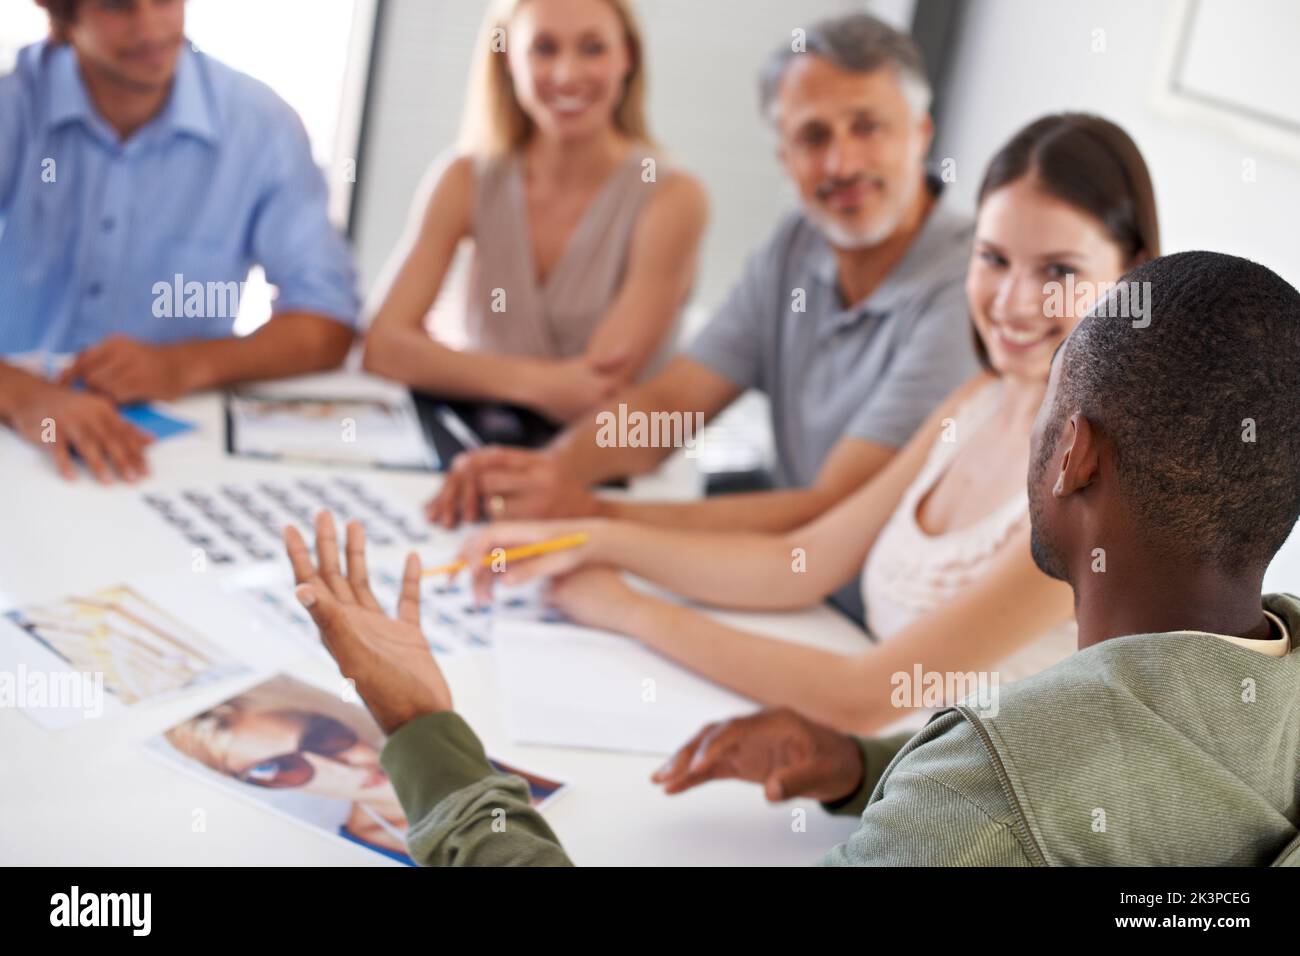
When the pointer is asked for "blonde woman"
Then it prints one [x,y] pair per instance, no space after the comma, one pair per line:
[949,583]
[584,240]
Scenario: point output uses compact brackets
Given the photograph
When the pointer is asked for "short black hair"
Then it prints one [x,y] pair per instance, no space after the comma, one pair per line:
[1202,406]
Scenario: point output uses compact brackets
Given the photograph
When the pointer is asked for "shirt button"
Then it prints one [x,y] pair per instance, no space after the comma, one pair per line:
[109,223]
[94,289]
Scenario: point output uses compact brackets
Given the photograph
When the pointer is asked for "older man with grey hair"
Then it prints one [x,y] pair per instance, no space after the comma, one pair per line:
[851,317]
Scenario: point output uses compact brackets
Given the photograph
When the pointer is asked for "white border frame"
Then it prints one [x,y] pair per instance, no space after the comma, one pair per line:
[1223,118]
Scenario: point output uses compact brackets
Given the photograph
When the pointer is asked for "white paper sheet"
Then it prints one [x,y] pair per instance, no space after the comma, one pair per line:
[571,686]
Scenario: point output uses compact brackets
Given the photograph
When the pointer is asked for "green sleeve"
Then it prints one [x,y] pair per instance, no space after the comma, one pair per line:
[939,804]
[460,811]
[877,752]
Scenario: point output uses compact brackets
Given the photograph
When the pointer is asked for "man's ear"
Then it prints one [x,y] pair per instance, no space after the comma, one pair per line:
[926,124]
[1080,464]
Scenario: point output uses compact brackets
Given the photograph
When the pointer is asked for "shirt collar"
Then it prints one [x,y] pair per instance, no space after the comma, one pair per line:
[1274,647]
[68,98]
[1277,647]
[899,284]
[188,109]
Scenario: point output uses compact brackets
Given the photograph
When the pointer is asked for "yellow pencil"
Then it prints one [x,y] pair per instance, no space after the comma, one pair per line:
[515,554]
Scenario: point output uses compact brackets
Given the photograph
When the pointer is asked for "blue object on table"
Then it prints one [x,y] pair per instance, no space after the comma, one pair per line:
[155,422]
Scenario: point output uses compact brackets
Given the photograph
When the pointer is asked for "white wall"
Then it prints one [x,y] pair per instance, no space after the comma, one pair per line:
[1017,59]
[703,58]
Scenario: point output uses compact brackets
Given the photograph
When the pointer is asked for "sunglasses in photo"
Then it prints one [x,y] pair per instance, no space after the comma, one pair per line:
[322,736]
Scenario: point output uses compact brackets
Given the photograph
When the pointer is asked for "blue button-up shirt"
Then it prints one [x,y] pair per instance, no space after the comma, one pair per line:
[151,237]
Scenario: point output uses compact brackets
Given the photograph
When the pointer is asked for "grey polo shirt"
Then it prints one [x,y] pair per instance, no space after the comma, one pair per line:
[873,370]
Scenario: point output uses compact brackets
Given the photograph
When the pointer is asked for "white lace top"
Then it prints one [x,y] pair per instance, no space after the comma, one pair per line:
[910,572]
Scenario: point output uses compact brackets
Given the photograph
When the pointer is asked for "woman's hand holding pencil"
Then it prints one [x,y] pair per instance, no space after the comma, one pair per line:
[517,552]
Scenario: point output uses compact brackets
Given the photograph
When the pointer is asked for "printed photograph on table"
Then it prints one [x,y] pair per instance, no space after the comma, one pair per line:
[141,651]
[375,432]
[309,755]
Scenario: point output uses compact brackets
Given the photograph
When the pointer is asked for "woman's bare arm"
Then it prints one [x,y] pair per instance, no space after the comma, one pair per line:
[1009,606]
[661,268]
[397,344]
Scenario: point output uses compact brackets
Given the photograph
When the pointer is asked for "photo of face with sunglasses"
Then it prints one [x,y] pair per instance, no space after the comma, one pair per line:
[284,736]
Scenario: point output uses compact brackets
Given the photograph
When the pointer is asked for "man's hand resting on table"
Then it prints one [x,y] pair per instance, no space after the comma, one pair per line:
[386,657]
[497,484]
[127,370]
[790,755]
[68,422]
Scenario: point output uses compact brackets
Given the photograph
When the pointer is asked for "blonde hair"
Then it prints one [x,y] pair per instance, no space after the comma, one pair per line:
[495,124]
[207,737]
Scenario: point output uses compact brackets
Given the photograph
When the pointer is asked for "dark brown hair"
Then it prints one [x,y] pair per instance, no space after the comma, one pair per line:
[62,12]
[1093,165]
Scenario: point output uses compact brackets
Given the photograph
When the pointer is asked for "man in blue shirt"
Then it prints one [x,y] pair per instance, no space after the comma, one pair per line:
[140,181]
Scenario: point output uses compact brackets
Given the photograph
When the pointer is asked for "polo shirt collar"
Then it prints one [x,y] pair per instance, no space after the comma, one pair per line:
[188,109]
[899,285]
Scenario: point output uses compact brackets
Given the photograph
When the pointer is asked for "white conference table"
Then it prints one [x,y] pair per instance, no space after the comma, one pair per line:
[90,795]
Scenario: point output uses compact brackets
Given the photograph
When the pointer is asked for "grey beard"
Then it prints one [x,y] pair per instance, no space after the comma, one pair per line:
[842,238]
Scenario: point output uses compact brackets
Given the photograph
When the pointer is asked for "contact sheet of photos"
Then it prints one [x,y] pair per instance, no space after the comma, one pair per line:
[450,618]
[241,523]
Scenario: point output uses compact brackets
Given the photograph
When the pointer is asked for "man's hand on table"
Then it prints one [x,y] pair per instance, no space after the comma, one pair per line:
[386,657]
[127,370]
[790,755]
[509,483]
[69,422]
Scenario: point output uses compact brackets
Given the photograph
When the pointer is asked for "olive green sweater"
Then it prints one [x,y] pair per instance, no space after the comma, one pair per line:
[1152,750]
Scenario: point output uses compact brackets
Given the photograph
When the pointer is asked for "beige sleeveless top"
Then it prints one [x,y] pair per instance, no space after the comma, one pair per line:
[909,572]
[507,311]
